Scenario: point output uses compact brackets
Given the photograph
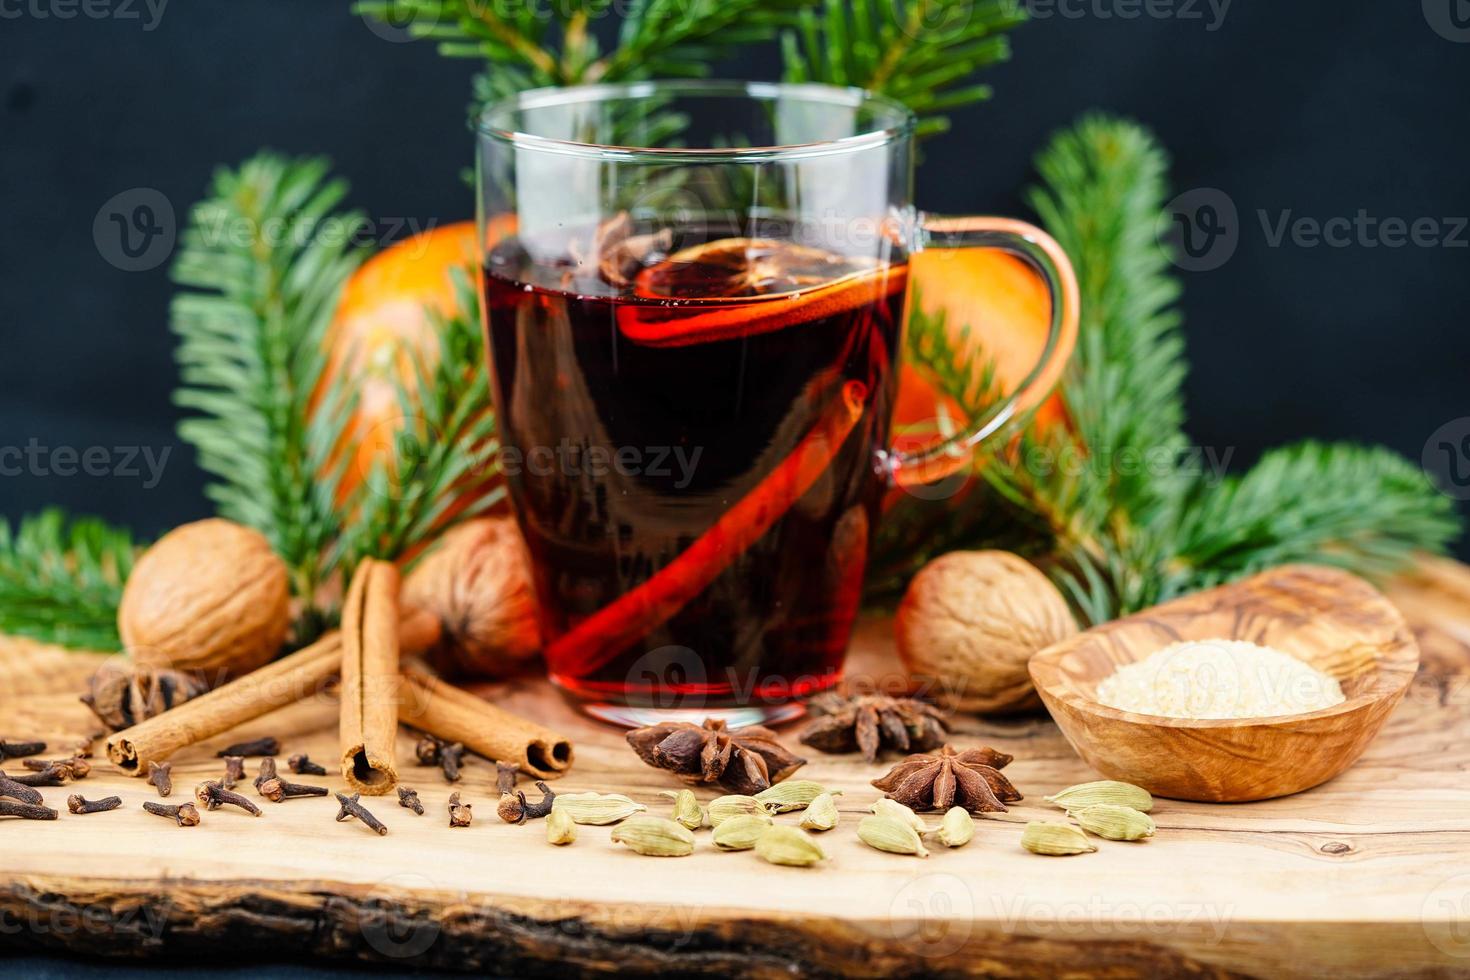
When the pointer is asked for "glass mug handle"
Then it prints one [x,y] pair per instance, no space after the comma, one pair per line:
[1042,253]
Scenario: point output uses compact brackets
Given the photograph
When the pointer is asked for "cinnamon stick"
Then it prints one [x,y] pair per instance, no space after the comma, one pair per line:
[599,638]
[288,680]
[456,715]
[292,678]
[369,720]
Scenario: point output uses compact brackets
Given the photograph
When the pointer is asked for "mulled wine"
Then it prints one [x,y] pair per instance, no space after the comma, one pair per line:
[689,437]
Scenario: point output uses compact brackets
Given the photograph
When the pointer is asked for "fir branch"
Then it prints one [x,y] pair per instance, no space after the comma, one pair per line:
[545,43]
[61,579]
[265,257]
[1360,508]
[1132,526]
[923,53]
[1106,503]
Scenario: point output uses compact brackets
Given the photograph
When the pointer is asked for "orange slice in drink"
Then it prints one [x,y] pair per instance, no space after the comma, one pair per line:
[738,287]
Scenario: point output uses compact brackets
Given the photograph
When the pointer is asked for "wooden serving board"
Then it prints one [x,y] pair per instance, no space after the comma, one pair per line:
[1366,875]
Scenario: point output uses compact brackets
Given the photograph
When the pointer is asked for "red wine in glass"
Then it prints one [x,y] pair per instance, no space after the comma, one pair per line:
[689,438]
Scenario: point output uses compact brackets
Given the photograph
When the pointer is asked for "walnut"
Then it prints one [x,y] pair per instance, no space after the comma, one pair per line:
[477,583]
[209,596]
[969,623]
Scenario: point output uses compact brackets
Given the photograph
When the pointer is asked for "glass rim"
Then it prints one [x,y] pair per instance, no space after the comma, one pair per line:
[901,128]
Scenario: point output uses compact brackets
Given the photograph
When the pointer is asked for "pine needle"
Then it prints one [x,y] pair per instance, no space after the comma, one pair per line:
[61,579]
[924,53]
[265,257]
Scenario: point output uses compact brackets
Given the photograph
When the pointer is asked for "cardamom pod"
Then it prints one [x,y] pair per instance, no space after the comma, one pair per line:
[722,808]
[1046,837]
[821,814]
[957,828]
[892,835]
[1114,822]
[560,827]
[597,809]
[740,833]
[686,808]
[794,794]
[894,810]
[654,836]
[787,845]
[1103,791]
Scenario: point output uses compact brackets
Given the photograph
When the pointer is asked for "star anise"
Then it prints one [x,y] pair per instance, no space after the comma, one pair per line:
[940,780]
[746,760]
[872,722]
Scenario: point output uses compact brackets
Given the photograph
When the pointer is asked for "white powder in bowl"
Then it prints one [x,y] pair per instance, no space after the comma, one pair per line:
[1202,679]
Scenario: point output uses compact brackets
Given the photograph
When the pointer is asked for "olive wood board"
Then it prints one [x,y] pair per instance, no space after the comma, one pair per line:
[1366,875]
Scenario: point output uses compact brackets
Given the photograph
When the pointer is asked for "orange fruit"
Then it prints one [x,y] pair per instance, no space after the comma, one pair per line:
[737,287]
[383,320]
[1007,309]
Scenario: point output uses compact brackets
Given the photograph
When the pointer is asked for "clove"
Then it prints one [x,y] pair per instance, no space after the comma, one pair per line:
[185,815]
[14,750]
[505,777]
[267,772]
[74,768]
[460,814]
[160,774]
[211,795]
[409,800]
[451,757]
[427,750]
[512,807]
[541,809]
[26,811]
[259,746]
[277,790]
[77,803]
[18,791]
[234,771]
[303,766]
[352,808]
[50,776]
[515,808]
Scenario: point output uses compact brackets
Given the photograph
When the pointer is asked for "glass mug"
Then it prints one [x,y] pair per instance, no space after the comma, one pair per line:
[694,298]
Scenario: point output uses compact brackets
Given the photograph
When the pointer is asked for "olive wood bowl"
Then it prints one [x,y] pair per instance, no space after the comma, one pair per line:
[1332,620]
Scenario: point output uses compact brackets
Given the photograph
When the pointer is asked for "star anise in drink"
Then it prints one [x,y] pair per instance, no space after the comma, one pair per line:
[872,722]
[940,780]
[745,760]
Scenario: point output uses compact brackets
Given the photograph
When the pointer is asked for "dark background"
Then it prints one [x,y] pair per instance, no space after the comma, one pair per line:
[1320,109]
